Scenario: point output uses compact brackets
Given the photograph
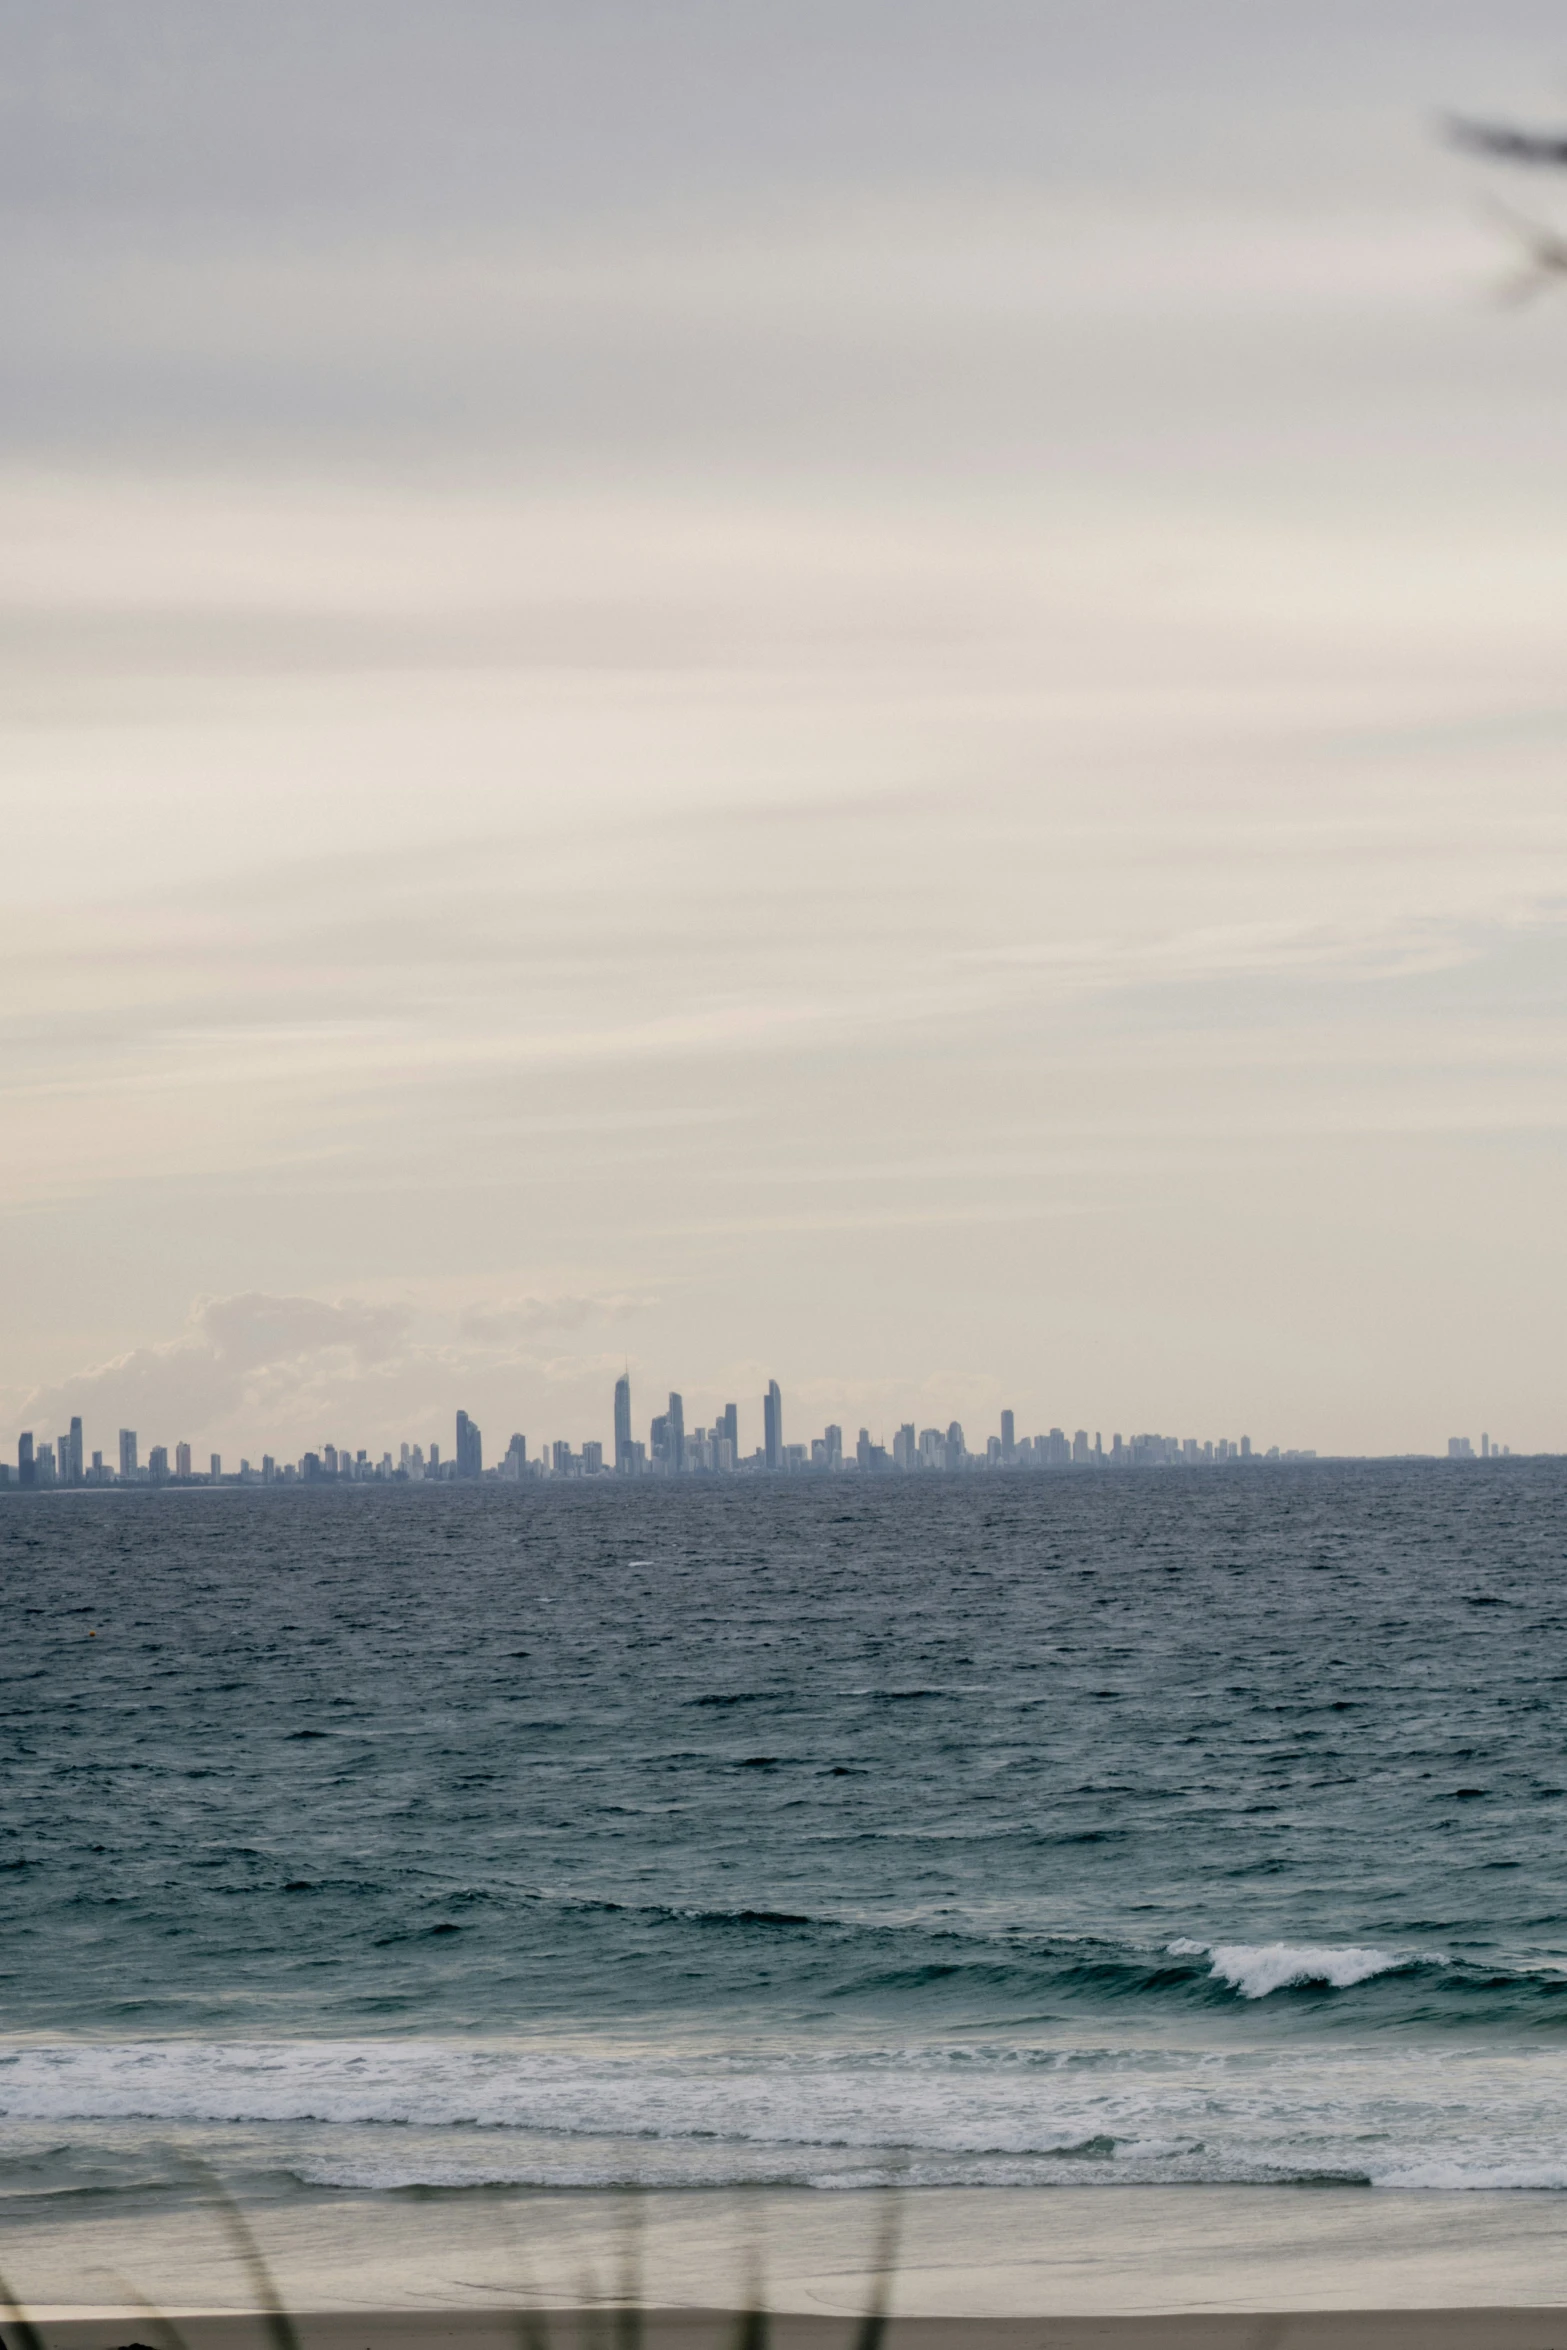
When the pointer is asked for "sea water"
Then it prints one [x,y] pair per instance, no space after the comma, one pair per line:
[1201,1829]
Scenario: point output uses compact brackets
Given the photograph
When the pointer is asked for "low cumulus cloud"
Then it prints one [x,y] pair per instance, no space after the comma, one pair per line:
[255,1372]
[512,1321]
[266,1358]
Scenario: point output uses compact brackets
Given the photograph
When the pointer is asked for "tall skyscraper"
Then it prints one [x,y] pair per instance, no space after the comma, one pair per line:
[623,1440]
[127,1453]
[1008,1436]
[772,1425]
[182,1460]
[729,1426]
[26,1465]
[470,1448]
[677,1433]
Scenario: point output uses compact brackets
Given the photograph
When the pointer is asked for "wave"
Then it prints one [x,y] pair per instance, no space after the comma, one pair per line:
[868,1960]
[1256,1969]
[389,2116]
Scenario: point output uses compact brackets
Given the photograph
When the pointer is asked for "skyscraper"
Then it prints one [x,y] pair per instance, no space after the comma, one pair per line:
[470,1448]
[623,1454]
[127,1453]
[26,1465]
[729,1425]
[772,1425]
[677,1432]
[1008,1436]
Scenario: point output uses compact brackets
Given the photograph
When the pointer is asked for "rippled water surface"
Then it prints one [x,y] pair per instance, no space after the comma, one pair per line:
[1101,1829]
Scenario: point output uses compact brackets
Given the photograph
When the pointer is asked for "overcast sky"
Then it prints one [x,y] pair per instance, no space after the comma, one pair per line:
[864,693]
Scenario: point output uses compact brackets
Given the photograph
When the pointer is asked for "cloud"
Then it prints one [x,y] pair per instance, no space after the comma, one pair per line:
[512,1319]
[268,1358]
[256,1371]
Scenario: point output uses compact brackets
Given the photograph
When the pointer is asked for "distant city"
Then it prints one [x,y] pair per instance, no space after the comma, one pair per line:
[671,1450]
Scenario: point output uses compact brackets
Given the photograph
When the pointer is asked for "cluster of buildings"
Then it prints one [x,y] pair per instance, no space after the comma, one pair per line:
[670,1449]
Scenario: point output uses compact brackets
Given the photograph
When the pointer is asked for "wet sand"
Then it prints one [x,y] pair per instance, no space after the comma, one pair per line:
[699,2329]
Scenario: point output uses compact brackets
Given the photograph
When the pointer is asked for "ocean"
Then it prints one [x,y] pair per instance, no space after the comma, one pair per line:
[1198,1830]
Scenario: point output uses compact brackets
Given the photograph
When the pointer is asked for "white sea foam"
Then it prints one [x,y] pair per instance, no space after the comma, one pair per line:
[383,2115]
[1255,1969]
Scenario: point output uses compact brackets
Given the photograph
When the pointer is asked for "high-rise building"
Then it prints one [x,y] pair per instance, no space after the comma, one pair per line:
[158,1465]
[71,1449]
[772,1425]
[182,1460]
[470,1448]
[623,1425]
[834,1449]
[728,1426]
[26,1461]
[127,1453]
[1008,1436]
[592,1460]
[677,1433]
[957,1450]
[658,1442]
[215,1468]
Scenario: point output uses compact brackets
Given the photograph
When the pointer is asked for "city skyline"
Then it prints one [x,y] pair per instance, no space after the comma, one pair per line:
[669,1450]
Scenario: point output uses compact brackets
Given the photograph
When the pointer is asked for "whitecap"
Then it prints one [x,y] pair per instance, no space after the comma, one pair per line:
[1255,1969]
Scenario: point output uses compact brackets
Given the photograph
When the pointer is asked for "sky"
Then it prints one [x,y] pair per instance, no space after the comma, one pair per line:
[866,693]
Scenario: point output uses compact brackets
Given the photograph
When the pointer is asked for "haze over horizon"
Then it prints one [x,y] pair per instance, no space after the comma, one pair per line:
[871,696]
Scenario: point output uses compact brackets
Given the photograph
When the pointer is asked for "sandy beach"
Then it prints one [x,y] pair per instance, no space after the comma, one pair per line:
[1089,2268]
